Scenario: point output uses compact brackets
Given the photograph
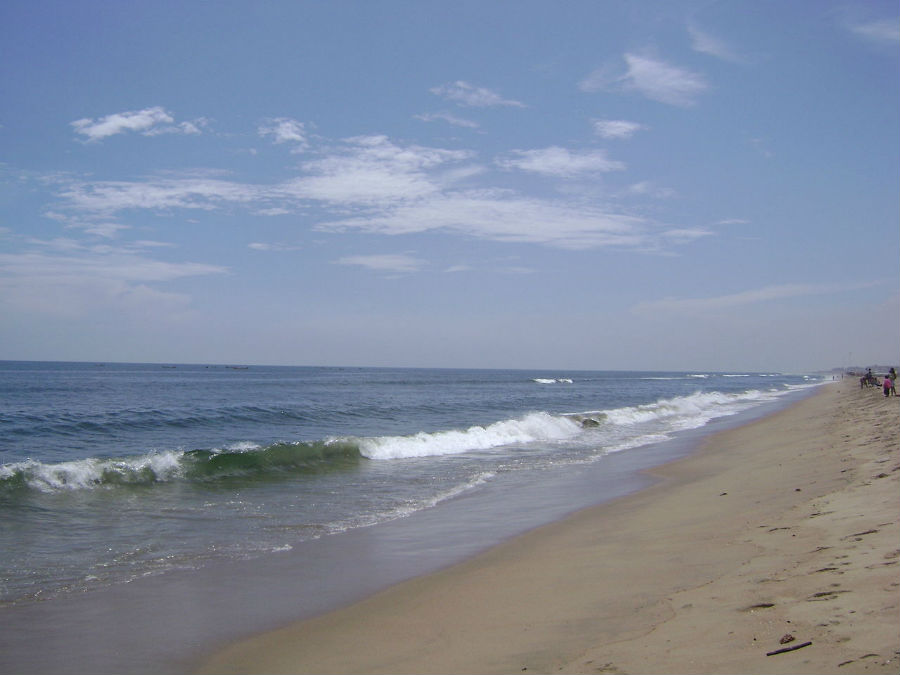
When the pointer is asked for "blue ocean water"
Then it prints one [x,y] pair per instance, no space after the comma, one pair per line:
[115,472]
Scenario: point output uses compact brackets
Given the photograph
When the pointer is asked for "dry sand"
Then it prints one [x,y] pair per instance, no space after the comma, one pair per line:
[784,528]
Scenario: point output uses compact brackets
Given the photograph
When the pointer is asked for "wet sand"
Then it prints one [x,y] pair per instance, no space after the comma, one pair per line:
[776,534]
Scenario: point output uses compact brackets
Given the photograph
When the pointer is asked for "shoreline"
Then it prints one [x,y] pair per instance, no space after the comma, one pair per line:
[786,525]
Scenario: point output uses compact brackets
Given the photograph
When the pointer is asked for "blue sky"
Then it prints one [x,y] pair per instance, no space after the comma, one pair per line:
[597,185]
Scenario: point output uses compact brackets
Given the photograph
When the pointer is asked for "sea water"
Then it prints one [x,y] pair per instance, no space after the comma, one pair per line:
[114,473]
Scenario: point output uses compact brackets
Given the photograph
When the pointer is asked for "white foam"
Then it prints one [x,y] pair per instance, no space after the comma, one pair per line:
[538,426]
[637,442]
[92,472]
[688,412]
[408,508]
[243,446]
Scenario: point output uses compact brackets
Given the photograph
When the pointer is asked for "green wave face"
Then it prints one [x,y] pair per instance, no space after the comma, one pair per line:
[273,462]
[280,458]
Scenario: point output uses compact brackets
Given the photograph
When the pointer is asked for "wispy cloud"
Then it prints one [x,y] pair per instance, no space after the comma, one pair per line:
[268,246]
[503,216]
[646,188]
[103,199]
[388,262]
[449,119]
[285,130]
[651,77]
[684,235]
[106,229]
[360,171]
[370,170]
[467,94]
[761,146]
[556,161]
[373,184]
[705,43]
[882,31]
[65,278]
[149,122]
[754,296]
[184,128]
[616,129]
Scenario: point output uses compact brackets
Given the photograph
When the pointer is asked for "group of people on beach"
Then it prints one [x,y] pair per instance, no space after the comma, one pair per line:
[889,383]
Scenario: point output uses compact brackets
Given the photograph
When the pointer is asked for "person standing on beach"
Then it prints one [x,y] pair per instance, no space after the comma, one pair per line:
[888,385]
[893,375]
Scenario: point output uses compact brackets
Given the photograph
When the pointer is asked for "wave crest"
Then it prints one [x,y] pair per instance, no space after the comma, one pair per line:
[538,426]
[241,461]
[640,424]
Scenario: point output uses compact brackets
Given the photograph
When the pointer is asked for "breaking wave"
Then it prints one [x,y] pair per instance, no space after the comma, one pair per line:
[633,426]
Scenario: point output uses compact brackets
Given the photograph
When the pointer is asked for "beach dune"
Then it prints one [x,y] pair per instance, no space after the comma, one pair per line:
[779,534]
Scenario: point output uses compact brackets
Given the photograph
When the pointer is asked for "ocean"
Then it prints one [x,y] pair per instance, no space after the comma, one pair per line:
[120,479]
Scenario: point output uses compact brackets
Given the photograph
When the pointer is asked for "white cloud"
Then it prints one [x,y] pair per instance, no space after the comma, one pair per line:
[655,79]
[685,235]
[556,161]
[467,94]
[603,78]
[502,216]
[618,129]
[263,246]
[105,229]
[389,262]
[148,243]
[149,122]
[663,82]
[723,302]
[185,128]
[285,130]
[884,31]
[104,198]
[646,188]
[705,43]
[72,280]
[370,170]
[362,172]
[450,119]
[372,184]
[761,146]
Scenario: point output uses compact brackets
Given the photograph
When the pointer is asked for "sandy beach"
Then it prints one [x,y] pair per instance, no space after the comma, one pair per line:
[779,534]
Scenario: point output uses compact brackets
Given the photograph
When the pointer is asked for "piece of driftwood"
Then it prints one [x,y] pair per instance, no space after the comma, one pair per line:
[789,649]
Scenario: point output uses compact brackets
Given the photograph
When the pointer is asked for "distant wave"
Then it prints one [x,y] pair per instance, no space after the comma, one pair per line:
[68,424]
[545,380]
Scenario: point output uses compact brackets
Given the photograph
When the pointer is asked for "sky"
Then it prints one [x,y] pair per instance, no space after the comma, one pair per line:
[605,184]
